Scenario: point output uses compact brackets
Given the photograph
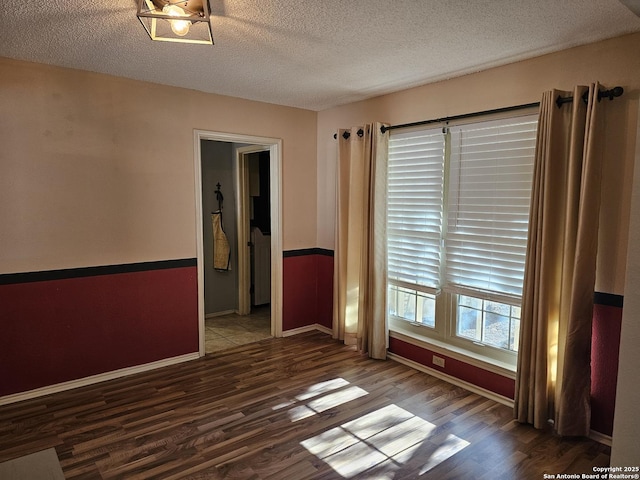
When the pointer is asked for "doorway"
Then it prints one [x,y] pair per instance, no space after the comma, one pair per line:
[255,144]
[254,227]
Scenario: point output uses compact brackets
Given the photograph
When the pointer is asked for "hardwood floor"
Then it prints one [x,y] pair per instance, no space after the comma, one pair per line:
[302,407]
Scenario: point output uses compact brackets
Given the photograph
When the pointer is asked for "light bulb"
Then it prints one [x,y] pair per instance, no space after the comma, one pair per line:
[179,27]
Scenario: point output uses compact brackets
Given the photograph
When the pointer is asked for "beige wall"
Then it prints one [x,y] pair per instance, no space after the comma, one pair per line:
[99,170]
[612,62]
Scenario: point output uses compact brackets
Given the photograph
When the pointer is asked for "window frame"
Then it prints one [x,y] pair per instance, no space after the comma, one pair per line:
[444,334]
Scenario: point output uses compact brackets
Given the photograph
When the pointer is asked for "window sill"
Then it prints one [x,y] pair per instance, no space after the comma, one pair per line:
[408,335]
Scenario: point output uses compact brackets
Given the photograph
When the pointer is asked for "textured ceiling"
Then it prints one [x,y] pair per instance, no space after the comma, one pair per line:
[311,54]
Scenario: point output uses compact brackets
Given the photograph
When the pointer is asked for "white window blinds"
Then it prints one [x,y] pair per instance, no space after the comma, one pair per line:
[415,208]
[489,193]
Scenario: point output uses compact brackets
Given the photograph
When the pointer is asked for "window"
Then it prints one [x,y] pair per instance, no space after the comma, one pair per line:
[457,219]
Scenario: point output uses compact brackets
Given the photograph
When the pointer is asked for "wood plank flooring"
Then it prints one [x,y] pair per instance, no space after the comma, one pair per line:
[302,407]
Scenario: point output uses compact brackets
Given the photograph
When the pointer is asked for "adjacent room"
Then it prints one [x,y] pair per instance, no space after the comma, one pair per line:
[335,239]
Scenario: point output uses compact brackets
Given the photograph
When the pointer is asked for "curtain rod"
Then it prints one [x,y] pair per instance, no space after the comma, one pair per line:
[460,117]
[610,94]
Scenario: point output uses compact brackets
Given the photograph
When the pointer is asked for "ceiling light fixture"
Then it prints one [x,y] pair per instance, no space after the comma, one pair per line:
[185,21]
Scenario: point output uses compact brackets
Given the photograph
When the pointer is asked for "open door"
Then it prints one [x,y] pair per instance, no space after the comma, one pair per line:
[247,248]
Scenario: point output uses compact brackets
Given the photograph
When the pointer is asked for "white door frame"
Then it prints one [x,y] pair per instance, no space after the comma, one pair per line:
[244,237]
[274,145]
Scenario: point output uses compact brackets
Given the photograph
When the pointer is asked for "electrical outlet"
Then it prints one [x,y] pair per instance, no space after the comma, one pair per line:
[438,361]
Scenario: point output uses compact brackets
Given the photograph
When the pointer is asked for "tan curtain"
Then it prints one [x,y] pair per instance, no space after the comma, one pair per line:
[360,271]
[554,358]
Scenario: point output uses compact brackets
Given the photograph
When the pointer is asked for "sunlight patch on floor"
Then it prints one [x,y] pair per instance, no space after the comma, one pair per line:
[314,391]
[322,396]
[389,438]
[326,402]
[322,387]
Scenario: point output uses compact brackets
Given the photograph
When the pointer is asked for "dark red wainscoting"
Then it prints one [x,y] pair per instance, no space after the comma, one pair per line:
[605,345]
[299,296]
[307,288]
[59,330]
[325,290]
[469,373]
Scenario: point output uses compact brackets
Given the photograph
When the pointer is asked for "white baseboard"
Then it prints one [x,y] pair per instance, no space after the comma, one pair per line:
[307,328]
[600,437]
[453,380]
[220,314]
[101,377]
[593,435]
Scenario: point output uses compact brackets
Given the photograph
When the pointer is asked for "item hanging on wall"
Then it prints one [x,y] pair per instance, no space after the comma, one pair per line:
[219,196]
[221,248]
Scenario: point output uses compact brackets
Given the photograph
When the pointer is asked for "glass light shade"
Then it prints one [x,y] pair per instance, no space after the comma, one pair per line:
[185,21]
[179,27]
